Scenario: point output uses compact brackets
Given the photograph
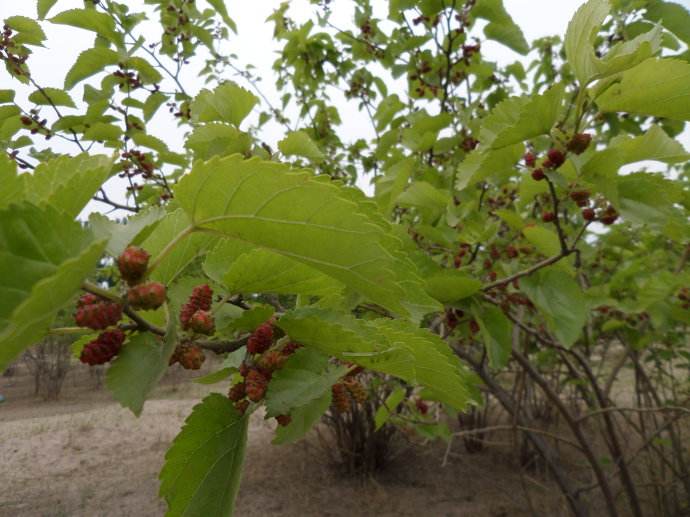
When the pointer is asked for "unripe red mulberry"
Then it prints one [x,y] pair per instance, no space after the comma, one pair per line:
[199,300]
[579,143]
[202,322]
[272,360]
[548,217]
[190,356]
[555,159]
[341,398]
[148,296]
[283,420]
[261,339]
[474,326]
[95,313]
[237,392]
[256,385]
[132,264]
[244,369]
[103,348]
[358,392]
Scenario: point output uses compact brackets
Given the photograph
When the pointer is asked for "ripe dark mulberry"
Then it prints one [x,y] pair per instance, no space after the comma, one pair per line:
[256,385]
[538,174]
[103,348]
[283,420]
[261,339]
[95,313]
[609,216]
[291,348]
[588,214]
[555,158]
[579,143]
[422,406]
[132,264]
[548,217]
[148,296]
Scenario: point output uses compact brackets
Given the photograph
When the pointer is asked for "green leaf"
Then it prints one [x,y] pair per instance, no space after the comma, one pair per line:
[497,331]
[449,286]
[103,132]
[298,143]
[394,347]
[647,198]
[219,6]
[247,320]
[424,195]
[121,235]
[262,271]
[43,7]
[672,16]
[302,217]
[88,63]
[139,366]
[501,26]
[579,39]
[6,96]
[303,419]
[656,87]
[44,257]
[90,20]
[172,227]
[152,103]
[50,96]
[545,240]
[520,118]
[559,300]
[217,139]
[147,73]
[66,182]
[214,377]
[384,412]
[480,165]
[302,380]
[203,468]
[29,32]
[391,185]
[627,54]
[227,103]
[12,189]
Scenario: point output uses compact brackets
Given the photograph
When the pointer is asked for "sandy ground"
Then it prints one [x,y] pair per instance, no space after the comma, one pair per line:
[86,456]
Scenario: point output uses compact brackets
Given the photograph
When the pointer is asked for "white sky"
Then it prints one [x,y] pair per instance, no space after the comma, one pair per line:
[253,44]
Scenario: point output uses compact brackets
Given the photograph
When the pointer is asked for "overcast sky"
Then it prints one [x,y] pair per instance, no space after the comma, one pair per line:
[254,44]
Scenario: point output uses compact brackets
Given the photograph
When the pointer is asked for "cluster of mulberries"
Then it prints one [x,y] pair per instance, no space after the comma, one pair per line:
[195,315]
[102,349]
[96,313]
[189,355]
[257,371]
